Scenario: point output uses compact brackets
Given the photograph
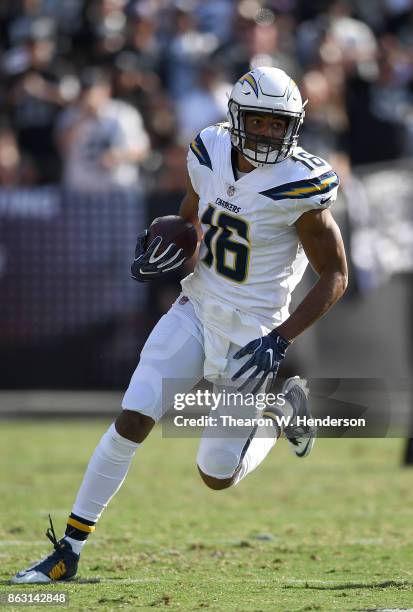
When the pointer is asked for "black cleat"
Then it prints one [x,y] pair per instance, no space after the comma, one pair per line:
[60,565]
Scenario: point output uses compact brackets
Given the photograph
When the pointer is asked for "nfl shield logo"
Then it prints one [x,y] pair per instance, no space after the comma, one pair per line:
[231,190]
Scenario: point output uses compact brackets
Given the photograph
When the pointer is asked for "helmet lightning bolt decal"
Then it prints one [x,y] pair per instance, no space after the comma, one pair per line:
[248,78]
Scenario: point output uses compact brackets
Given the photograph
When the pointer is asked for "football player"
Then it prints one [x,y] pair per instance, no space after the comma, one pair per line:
[263,204]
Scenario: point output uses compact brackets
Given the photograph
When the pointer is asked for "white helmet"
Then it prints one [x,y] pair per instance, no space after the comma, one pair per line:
[265,90]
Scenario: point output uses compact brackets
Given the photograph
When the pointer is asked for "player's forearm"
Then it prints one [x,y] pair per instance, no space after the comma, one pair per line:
[326,292]
[189,209]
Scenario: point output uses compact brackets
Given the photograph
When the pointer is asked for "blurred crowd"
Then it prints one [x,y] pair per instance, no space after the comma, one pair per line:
[108,93]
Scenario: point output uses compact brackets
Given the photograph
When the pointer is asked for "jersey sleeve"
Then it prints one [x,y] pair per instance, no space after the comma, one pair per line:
[199,159]
[317,192]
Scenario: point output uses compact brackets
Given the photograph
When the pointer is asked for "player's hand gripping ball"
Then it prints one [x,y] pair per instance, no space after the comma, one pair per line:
[168,243]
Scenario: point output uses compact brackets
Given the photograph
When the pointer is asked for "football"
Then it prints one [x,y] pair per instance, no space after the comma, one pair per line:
[174,229]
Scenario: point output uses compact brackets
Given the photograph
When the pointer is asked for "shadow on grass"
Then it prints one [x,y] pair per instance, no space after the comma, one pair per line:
[350,585]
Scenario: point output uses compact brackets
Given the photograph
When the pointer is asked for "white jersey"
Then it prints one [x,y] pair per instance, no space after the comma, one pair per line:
[117,125]
[251,258]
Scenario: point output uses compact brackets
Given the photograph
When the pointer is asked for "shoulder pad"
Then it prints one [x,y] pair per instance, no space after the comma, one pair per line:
[200,151]
[310,161]
[224,125]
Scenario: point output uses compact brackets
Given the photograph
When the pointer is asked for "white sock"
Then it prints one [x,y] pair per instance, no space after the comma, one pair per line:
[263,441]
[104,475]
[76,545]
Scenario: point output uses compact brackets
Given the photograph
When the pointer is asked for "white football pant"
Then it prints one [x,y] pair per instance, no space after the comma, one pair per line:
[172,361]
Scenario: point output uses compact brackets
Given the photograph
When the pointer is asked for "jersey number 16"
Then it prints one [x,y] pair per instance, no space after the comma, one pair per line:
[231,258]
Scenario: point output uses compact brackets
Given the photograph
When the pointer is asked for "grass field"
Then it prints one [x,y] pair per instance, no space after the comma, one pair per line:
[331,532]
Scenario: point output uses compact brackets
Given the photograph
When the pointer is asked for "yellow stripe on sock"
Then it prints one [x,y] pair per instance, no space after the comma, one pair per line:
[74,523]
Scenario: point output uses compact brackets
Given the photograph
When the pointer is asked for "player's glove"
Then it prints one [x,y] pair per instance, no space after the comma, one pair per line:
[267,353]
[148,265]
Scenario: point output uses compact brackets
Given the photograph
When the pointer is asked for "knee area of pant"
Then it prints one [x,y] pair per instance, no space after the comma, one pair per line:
[217,462]
[142,398]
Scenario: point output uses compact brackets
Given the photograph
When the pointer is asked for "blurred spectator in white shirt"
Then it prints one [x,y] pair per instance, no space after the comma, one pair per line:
[204,105]
[216,16]
[184,50]
[102,140]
